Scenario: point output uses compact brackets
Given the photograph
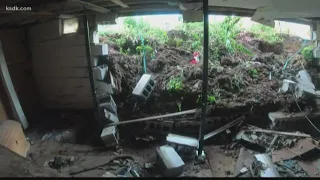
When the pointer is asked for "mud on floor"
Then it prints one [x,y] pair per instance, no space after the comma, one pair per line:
[218,164]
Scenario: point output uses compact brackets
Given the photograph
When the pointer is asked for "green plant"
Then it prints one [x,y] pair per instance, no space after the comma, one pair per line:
[307,53]
[265,33]
[225,34]
[179,105]
[148,49]
[253,73]
[175,84]
[210,99]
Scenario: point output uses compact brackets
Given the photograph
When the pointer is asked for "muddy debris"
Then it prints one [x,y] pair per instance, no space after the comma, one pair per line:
[60,162]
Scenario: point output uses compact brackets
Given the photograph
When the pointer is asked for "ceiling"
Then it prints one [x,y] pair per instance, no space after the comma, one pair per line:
[263,11]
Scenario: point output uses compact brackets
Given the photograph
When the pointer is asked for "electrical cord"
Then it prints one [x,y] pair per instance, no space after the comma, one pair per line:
[305,115]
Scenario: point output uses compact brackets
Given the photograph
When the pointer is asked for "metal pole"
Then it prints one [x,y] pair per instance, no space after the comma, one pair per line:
[204,73]
[88,50]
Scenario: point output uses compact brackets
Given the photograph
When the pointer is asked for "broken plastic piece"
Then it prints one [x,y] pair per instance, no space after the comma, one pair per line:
[243,170]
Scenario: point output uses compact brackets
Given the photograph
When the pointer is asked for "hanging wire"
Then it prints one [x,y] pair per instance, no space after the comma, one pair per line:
[305,115]
[288,60]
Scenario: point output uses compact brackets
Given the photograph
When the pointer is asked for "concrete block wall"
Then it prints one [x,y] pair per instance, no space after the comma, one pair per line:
[15,47]
[60,66]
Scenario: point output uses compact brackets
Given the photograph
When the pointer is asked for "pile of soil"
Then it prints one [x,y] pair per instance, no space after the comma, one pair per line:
[236,81]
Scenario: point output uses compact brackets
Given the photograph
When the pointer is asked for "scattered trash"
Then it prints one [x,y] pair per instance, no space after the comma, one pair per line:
[149,165]
[147,138]
[290,168]
[46,137]
[265,167]
[287,85]
[245,141]
[108,174]
[243,170]
[64,136]
[304,84]
[60,162]
[245,160]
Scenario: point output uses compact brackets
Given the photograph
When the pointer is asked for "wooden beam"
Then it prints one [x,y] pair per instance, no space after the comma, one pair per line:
[23,16]
[120,3]
[91,6]
[14,101]
[154,117]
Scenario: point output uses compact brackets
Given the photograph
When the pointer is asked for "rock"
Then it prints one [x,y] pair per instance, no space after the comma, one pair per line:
[116,162]
[149,165]
[72,159]
[46,136]
[108,174]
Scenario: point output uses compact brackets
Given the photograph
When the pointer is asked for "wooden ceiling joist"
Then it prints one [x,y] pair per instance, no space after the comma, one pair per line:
[23,16]
[91,6]
[120,3]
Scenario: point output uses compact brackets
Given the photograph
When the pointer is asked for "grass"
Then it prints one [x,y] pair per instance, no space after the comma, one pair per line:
[211,99]
[222,37]
[266,33]
[175,84]
[307,53]
[253,73]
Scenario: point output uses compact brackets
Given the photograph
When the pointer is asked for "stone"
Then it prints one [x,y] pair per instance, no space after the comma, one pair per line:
[304,84]
[287,85]
[109,136]
[169,162]
[108,174]
[144,87]
[100,72]
[109,104]
[103,89]
[110,116]
[99,49]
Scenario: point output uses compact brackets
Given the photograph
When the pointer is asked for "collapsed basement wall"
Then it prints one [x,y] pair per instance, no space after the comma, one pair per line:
[14,44]
[60,65]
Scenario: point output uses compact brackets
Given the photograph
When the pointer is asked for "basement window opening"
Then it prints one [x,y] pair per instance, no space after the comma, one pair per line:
[70,25]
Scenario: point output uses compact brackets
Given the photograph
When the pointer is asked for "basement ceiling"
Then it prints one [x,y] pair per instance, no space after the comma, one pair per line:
[263,11]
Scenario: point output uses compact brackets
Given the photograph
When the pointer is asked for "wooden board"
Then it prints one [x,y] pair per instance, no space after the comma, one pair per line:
[13,138]
[14,101]
[13,165]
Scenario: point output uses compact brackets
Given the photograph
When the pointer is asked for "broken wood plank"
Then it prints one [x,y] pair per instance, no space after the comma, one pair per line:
[301,147]
[14,101]
[223,128]
[91,6]
[154,117]
[297,134]
[245,159]
[13,138]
